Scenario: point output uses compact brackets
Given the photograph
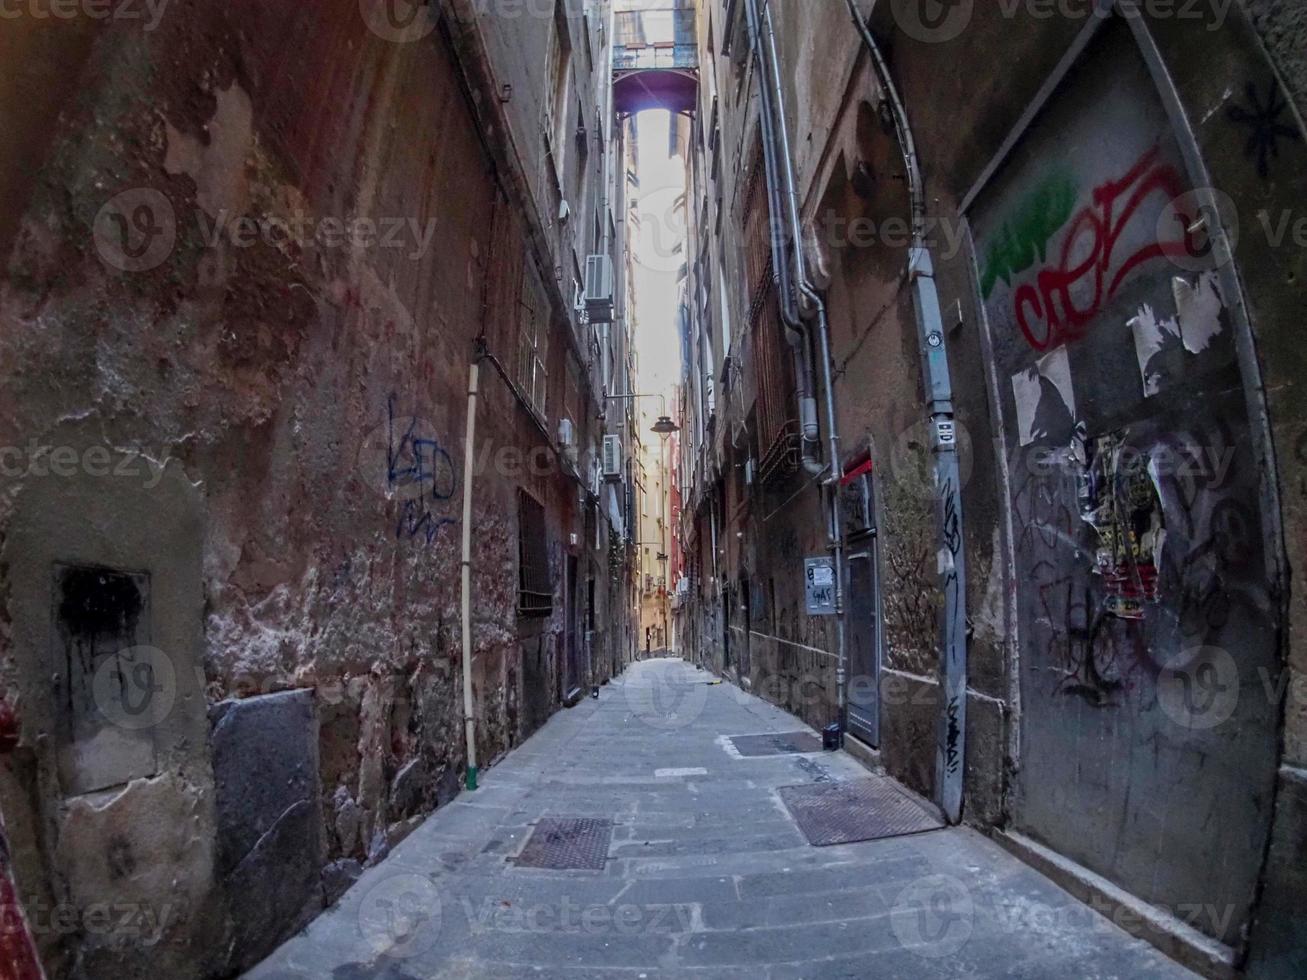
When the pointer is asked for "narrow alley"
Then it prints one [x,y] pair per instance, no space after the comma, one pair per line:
[653,489]
[707,874]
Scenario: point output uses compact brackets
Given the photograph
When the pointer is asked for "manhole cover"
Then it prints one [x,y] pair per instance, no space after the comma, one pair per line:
[864,809]
[782,743]
[567,844]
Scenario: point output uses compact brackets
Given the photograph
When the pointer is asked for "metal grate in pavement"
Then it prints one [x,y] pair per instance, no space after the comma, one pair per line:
[567,844]
[782,743]
[863,809]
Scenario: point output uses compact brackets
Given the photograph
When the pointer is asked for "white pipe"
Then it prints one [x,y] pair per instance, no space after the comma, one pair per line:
[469,457]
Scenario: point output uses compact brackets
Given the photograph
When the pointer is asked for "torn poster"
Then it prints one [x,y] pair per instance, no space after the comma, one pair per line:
[1045,399]
[1120,501]
[1196,324]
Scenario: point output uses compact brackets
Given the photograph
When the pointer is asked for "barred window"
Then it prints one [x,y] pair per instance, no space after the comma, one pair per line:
[535,590]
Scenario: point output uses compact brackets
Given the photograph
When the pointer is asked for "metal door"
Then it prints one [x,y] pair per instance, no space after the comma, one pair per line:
[863,690]
[571,642]
[863,607]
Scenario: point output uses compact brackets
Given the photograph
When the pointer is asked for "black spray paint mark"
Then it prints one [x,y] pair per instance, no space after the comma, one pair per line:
[1262,120]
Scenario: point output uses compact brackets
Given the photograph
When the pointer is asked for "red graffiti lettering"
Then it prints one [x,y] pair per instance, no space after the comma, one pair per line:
[1088,266]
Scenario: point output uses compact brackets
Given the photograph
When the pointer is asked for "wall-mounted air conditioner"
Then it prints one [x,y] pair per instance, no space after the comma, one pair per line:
[599,288]
[612,461]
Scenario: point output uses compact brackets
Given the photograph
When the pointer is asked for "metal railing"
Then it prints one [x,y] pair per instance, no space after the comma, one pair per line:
[656,39]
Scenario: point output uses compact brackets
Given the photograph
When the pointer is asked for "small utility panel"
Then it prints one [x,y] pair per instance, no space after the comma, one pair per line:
[819,586]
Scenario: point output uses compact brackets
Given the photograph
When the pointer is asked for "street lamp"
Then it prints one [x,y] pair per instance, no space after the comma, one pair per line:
[664,426]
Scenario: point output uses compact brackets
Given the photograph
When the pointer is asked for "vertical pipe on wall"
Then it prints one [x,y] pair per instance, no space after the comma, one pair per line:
[797,332]
[808,304]
[952,722]
[469,471]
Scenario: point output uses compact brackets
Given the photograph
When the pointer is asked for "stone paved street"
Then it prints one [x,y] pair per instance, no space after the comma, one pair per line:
[707,875]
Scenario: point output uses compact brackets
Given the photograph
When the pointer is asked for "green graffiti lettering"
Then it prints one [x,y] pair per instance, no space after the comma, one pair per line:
[1023,239]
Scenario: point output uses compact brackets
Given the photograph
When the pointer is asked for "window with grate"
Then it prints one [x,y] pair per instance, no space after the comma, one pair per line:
[535,589]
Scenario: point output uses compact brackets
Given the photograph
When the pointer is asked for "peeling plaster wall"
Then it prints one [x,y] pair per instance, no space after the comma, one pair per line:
[256,246]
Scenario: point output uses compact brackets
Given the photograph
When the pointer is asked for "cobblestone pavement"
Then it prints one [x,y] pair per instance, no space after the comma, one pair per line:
[706,875]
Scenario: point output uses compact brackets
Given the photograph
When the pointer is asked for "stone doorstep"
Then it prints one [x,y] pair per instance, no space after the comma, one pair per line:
[863,754]
[1170,935]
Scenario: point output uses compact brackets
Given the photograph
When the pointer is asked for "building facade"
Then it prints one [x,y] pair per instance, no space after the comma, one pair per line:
[253,252]
[994,448]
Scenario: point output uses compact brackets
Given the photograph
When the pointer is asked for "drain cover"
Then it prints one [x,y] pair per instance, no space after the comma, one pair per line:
[783,743]
[567,844]
[864,809]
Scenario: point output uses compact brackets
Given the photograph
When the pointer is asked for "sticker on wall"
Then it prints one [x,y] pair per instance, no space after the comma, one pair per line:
[1046,401]
[1159,342]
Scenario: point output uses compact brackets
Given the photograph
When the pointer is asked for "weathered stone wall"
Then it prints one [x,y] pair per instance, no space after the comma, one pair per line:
[249,252]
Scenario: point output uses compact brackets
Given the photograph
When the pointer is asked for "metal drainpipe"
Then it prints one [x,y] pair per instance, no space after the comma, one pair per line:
[797,332]
[465,604]
[761,25]
[952,725]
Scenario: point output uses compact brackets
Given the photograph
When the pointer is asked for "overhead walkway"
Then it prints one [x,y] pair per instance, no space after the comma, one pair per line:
[656,59]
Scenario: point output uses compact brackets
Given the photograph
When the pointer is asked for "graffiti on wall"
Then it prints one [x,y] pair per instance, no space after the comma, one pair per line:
[1266,124]
[1023,239]
[421,473]
[1138,551]
[1090,262]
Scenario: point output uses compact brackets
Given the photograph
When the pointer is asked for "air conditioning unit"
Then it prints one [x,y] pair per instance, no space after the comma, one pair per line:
[599,288]
[566,435]
[612,464]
